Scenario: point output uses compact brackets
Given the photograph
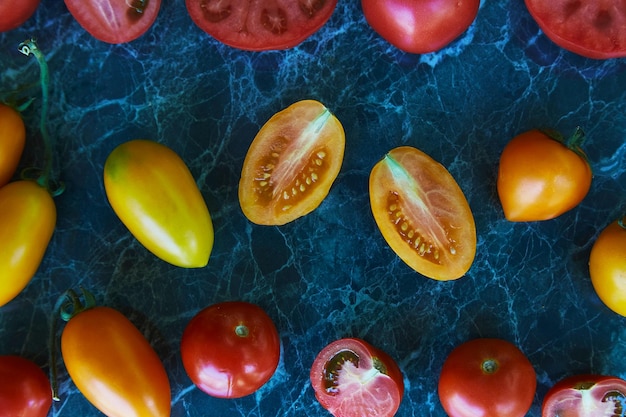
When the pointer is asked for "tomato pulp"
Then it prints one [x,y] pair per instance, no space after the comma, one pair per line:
[24,388]
[607,266]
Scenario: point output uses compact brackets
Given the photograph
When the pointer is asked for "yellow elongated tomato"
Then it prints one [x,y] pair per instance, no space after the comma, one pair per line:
[423,214]
[291,164]
[27,222]
[153,193]
[114,366]
[12,137]
[607,266]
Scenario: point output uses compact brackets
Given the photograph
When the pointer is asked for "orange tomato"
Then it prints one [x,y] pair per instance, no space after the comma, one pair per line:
[423,214]
[540,177]
[291,164]
[12,137]
[607,267]
[27,221]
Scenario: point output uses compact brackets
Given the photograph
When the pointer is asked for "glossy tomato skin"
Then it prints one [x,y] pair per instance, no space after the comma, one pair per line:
[584,396]
[423,214]
[114,21]
[420,26]
[27,222]
[113,365]
[261,25]
[24,388]
[12,137]
[153,193]
[14,13]
[487,377]
[540,178]
[291,164]
[607,267]
[230,349]
[352,378]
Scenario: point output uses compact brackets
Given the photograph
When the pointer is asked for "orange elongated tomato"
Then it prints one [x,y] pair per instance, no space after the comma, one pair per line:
[291,164]
[153,193]
[607,266]
[12,137]
[422,213]
[27,222]
[114,366]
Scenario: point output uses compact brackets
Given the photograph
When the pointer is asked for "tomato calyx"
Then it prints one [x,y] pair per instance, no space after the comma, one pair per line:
[489,366]
[573,143]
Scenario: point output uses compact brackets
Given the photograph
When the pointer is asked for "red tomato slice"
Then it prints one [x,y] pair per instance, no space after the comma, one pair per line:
[115,21]
[260,25]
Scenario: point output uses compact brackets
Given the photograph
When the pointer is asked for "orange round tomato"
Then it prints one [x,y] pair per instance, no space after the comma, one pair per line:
[607,267]
[114,366]
[291,164]
[12,137]
[423,214]
[540,176]
[153,193]
[27,221]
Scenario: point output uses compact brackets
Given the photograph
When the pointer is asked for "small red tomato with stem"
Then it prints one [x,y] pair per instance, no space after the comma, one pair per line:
[24,388]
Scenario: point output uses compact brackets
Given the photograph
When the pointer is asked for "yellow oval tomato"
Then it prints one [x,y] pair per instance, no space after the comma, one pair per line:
[607,267]
[27,221]
[153,193]
[291,164]
[114,366]
[423,214]
[540,178]
[12,137]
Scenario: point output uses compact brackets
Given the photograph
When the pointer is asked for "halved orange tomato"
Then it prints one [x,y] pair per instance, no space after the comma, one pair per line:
[291,164]
[423,214]
[12,137]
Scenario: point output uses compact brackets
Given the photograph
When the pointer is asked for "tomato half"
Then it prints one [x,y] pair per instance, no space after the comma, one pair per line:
[607,267]
[14,13]
[487,377]
[153,193]
[423,214]
[540,177]
[420,26]
[230,349]
[262,24]
[291,164]
[115,21]
[114,366]
[12,138]
[594,29]
[585,396]
[351,378]
[27,222]
[24,388]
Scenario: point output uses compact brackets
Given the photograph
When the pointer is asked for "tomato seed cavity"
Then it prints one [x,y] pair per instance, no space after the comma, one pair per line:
[274,21]
[618,400]
[215,11]
[334,365]
[311,7]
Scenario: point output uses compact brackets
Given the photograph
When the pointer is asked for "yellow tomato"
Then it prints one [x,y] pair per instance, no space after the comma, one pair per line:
[27,221]
[12,136]
[607,267]
[153,193]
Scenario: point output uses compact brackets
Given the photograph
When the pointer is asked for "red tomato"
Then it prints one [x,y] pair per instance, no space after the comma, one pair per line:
[262,24]
[230,349]
[24,388]
[15,13]
[420,26]
[351,378]
[487,377]
[594,29]
[115,21]
[12,137]
[585,396]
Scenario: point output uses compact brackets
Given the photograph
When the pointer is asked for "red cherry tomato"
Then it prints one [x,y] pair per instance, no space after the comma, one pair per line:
[487,377]
[351,378]
[24,388]
[230,349]
[262,24]
[585,396]
[420,26]
[115,21]
[14,13]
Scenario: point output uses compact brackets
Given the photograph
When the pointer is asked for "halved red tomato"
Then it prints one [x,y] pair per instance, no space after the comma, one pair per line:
[262,24]
[351,378]
[291,164]
[423,214]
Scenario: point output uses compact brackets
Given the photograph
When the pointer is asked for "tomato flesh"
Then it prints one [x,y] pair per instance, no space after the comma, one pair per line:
[24,388]
[12,139]
[585,395]
[607,267]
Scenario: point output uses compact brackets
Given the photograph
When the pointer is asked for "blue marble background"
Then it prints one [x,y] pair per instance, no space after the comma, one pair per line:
[329,274]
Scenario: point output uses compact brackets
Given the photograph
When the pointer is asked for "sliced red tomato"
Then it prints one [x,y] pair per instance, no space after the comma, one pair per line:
[24,388]
[351,378]
[12,138]
[262,24]
[423,214]
[586,396]
[291,164]
[115,21]
[594,29]
[14,13]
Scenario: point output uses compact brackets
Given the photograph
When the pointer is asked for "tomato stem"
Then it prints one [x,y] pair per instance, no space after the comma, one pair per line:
[573,143]
[622,222]
[489,366]
[242,330]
